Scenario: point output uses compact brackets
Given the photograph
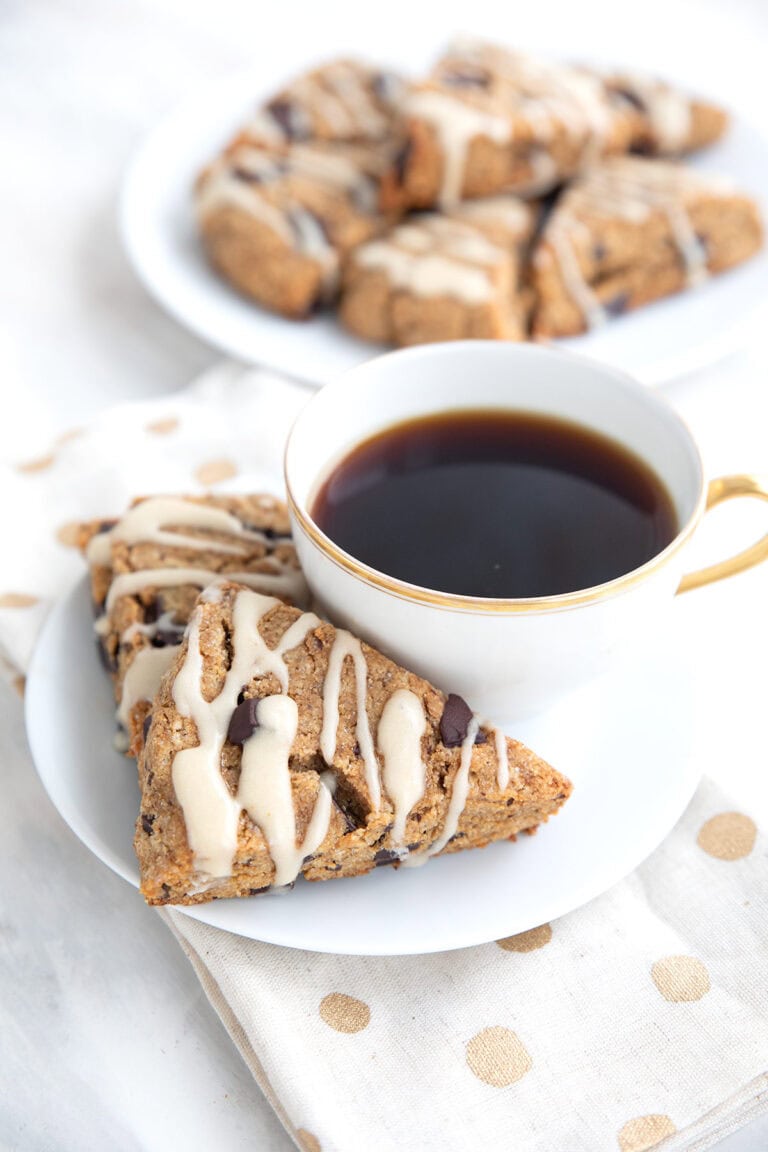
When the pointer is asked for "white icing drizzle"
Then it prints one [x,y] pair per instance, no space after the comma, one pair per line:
[345,645]
[222,188]
[668,110]
[211,812]
[434,256]
[507,210]
[502,759]
[401,728]
[575,285]
[456,124]
[142,678]
[265,790]
[144,524]
[458,800]
[290,581]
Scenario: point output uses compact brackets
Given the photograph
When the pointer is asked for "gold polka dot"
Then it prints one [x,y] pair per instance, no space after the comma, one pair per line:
[307,1141]
[20,684]
[498,1057]
[729,836]
[39,465]
[214,471]
[680,978]
[527,941]
[69,534]
[645,1132]
[17,600]
[71,434]
[162,427]
[344,1013]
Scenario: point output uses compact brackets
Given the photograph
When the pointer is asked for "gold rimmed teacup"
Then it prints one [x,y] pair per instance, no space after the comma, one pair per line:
[510,657]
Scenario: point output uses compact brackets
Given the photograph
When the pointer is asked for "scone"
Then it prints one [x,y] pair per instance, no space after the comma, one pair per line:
[277,222]
[148,568]
[668,122]
[343,100]
[491,120]
[442,277]
[632,230]
[281,746]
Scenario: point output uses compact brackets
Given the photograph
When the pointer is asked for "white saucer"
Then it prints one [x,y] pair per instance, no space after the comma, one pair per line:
[625,743]
[654,344]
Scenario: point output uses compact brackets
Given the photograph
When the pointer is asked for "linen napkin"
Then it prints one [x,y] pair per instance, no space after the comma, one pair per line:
[639,1021]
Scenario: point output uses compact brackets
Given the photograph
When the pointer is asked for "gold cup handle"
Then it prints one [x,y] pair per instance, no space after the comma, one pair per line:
[726,488]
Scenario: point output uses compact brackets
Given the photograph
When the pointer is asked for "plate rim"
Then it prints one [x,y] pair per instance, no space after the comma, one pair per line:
[594,885]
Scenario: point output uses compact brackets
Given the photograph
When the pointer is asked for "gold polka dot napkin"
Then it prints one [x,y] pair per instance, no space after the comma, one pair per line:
[638,1022]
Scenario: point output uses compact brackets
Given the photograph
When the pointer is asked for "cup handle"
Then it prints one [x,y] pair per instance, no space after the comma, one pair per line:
[726,488]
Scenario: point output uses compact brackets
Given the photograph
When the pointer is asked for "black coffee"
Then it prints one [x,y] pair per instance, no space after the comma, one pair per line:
[496,503]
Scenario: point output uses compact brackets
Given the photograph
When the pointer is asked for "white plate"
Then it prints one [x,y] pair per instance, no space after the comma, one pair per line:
[625,744]
[654,344]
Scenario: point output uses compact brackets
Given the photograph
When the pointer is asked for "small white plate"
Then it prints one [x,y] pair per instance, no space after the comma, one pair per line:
[625,743]
[654,344]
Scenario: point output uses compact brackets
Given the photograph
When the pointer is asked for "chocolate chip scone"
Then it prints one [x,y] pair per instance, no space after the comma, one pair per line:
[667,121]
[442,277]
[281,746]
[343,100]
[633,230]
[277,222]
[491,120]
[148,568]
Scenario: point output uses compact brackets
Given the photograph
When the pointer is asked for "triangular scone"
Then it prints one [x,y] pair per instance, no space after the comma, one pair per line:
[632,230]
[668,122]
[449,276]
[493,120]
[280,745]
[148,568]
[341,101]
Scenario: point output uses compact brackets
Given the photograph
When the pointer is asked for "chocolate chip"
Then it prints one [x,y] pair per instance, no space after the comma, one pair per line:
[152,611]
[384,856]
[617,304]
[107,660]
[387,86]
[169,637]
[257,891]
[166,890]
[454,721]
[241,696]
[147,822]
[631,97]
[145,726]
[288,117]
[349,820]
[599,252]
[357,751]
[244,722]
[703,240]
[247,176]
[466,78]
[105,526]
[481,737]
[400,162]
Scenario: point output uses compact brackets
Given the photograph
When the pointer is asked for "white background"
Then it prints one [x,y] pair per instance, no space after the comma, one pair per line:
[106,1041]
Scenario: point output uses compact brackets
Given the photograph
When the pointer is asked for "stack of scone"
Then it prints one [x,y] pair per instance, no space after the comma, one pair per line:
[503,197]
[270,744]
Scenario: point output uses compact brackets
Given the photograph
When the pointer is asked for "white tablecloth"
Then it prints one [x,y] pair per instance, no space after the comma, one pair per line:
[106,1039]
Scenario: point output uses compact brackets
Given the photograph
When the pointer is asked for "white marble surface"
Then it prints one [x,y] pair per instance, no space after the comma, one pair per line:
[106,1040]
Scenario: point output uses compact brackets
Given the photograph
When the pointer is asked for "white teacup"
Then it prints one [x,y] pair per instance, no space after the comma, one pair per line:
[508,658]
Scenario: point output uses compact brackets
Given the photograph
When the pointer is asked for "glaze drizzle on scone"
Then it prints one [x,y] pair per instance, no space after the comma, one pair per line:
[261,760]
